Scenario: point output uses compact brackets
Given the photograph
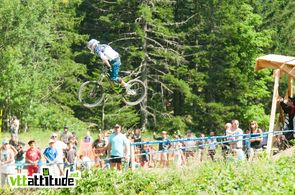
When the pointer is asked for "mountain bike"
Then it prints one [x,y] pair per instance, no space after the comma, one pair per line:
[92,93]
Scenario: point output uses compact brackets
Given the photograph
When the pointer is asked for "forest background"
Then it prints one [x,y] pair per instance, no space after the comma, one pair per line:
[197,58]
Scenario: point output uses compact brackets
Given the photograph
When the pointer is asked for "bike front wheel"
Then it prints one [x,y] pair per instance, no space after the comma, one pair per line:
[139,91]
[91,94]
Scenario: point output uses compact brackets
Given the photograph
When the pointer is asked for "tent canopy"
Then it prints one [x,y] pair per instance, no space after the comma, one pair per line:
[285,63]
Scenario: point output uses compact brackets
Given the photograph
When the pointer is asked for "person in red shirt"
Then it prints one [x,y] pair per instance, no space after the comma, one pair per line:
[33,155]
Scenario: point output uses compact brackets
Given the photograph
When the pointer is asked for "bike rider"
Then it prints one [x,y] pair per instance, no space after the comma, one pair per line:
[111,59]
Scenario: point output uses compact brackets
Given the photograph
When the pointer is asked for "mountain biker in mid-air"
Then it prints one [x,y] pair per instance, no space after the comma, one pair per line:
[111,59]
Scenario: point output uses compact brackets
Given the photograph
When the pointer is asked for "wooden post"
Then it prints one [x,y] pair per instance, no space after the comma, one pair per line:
[276,74]
[290,86]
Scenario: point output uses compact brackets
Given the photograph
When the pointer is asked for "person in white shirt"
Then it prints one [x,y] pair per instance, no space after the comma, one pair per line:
[60,146]
[238,134]
[111,59]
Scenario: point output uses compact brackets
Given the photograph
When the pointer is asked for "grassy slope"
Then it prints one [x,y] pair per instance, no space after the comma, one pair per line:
[41,136]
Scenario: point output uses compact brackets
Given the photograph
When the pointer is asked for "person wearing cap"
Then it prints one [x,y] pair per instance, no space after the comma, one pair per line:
[65,135]
[50,153]
[111,59]
[118,148]
[60,147]
[6,162]
[163,147]
[33,155]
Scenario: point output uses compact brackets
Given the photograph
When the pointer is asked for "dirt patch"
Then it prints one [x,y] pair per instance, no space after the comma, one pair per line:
[286,153]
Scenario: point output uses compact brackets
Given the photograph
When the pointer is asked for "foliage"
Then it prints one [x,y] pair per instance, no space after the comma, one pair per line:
[37,66]
[261,176]
[196,57]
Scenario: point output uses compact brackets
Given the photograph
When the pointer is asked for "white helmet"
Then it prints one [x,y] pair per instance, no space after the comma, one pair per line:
[92,44]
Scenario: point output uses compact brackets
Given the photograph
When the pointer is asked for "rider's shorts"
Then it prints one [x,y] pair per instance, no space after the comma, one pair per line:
[114,72]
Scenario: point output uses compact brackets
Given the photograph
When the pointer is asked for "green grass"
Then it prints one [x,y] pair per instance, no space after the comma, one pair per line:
[42,136]
[259,177]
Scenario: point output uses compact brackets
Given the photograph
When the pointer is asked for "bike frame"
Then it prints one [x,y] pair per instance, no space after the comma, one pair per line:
[105,76]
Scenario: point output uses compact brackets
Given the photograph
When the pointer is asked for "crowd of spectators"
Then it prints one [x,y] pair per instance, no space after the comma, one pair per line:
[112,149]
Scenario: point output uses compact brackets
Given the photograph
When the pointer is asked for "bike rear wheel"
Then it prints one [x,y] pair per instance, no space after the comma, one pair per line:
[140,91]
[91,94]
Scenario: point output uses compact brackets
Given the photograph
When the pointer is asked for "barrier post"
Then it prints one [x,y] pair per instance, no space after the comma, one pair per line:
[290,86]
[273,110]
[132,156]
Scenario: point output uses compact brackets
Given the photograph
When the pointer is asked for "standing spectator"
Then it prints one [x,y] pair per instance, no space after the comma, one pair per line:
[99,146]
[86,151]
[288,107]
[137,137]
[19,158]
[118,148]
[60,147]
[65,135]
[6,162]
[190,144]
[256,139]
[238,134]
[178,157]
[33,155]
[50,154]
[164,161]
[74,139]
[201,147]
[238,146]
[14,126]
[70,156]
[230,133]
[212,145]
[15,142]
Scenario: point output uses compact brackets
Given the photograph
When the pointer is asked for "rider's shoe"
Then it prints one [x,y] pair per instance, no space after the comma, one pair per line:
[130,91]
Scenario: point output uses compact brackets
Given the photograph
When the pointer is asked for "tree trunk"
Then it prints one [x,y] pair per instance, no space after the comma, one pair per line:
[144,116]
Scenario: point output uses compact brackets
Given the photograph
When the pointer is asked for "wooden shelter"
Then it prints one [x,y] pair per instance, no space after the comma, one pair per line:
[281,65]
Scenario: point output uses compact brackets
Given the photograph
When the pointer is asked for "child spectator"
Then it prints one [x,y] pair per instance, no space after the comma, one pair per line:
[226,147]
[19,158]
[33,155]
[82,163]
